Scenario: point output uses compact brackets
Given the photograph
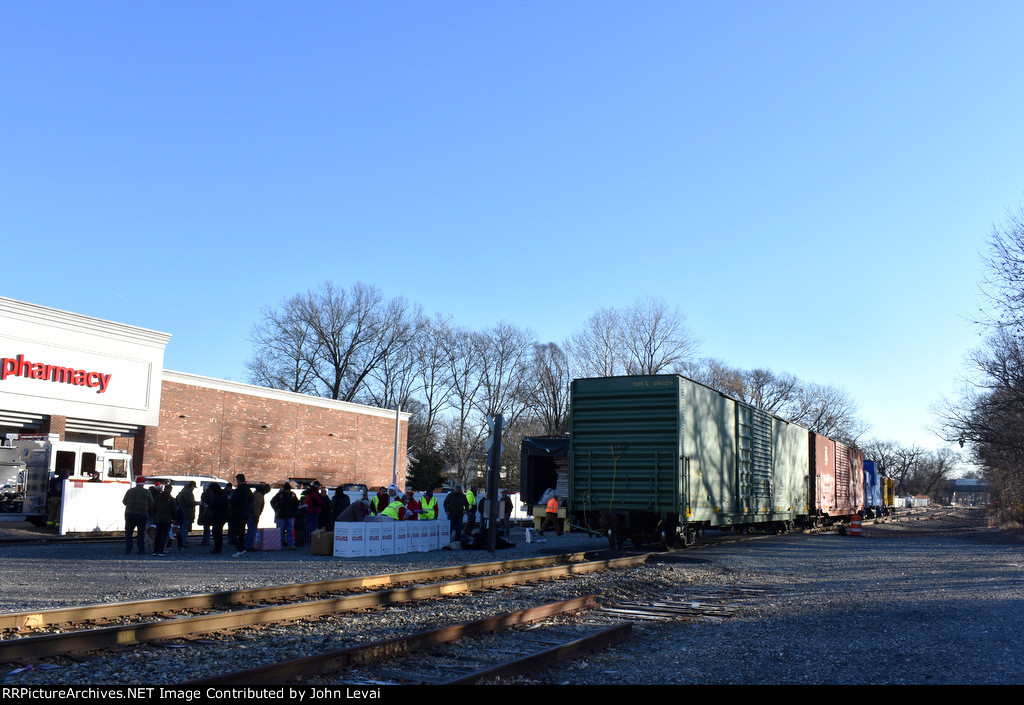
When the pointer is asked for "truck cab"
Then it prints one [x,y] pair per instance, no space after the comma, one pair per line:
[40,458]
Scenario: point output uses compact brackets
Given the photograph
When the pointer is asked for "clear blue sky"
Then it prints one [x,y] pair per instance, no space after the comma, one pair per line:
[811,182]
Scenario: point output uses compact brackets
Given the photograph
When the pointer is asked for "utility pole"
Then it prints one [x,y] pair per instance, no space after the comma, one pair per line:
[493,476]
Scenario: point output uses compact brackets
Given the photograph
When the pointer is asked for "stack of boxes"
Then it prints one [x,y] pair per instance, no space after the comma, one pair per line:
[385,538]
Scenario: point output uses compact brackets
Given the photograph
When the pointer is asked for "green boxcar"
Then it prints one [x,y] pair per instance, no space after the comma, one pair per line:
[663,458]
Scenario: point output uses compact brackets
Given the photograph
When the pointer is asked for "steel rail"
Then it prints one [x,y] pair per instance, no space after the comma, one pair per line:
[51,539]
[319,664]
[32,647]
[227,598]
[541,660]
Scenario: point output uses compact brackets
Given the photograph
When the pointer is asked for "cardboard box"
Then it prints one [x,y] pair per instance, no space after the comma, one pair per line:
[268,539]
[349,539]
[322,543]
[402,532]
[387,537]
[373,538]
[438,535]
[419,532]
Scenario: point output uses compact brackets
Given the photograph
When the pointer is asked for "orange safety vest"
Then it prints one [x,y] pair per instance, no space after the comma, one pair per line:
[552,506]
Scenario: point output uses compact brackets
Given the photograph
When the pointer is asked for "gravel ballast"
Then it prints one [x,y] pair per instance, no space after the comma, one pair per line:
[929,600]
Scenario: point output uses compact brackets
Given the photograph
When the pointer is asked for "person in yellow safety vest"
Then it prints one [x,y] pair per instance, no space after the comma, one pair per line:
[395,510]
[471,512]
[379,502]
[428,506]
[551,517]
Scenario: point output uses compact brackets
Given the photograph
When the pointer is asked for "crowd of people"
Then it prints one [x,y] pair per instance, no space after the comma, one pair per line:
[156,518]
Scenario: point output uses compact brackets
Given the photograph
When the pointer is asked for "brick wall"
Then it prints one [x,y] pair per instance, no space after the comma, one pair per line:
[211,431]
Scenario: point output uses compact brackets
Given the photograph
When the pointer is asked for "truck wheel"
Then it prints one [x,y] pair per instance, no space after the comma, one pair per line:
[690,537]
[614,540]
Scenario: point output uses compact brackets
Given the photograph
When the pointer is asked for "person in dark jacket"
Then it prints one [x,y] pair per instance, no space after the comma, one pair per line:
[285,505]
[505,515]
[252,524]
[217,515]
[204,507]
[138,504]
[339,504]
[239,511]
[186,512]
[379,501]
[53,499]
[356,511]
[164,509]
[455,505]
[300,519]
[314,502]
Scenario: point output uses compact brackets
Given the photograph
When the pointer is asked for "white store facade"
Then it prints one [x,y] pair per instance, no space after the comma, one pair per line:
[84,378]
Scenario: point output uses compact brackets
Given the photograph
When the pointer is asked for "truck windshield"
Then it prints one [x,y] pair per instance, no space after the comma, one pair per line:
[117,468]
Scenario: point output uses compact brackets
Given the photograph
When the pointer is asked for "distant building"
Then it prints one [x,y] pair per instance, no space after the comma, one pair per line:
[967,493]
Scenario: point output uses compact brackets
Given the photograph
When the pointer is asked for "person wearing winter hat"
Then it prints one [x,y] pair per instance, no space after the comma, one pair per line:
[138,505]
[379,501]
[285,505]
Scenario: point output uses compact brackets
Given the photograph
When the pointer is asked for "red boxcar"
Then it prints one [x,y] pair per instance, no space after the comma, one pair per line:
[835,480]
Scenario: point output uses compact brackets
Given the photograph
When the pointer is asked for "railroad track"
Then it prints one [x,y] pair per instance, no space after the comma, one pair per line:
[230,610]
[110,612]
[282,638]
[502,646]
[42,538]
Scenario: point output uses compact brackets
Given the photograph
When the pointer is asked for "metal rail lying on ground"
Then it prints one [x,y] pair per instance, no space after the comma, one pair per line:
[86,640]
[64,615]
[320,664]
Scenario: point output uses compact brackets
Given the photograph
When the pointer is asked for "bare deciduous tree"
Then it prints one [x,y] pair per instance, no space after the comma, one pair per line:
[895,460]
[286,348]
[712,372]
[1003,286]
[990,413]
[329,340]
[827,410]
[769,391]
[395,381]
[431,347]
[930,474]
[647,338]
[462,438]
[594,349]
[655,338]
[550,388]
[505,355]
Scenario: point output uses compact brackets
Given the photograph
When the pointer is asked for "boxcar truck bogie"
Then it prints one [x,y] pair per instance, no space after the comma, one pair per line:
[663,458]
